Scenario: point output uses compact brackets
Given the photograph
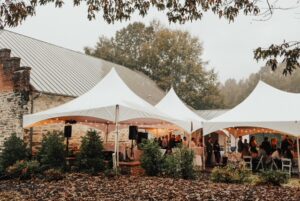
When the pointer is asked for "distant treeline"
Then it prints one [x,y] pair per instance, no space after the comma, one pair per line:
[234,92]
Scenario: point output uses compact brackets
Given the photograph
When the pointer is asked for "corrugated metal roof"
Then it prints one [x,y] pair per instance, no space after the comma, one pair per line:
[210,114]
[62,71]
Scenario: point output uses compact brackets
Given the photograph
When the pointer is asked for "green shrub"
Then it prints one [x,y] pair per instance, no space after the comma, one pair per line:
[2,171]
[274,177]
[171,166]
[53,175]
[52,152]
[232,173]
[152,159]
[187,163]
[180,164]
[23,169]
[90,157]
[14,150]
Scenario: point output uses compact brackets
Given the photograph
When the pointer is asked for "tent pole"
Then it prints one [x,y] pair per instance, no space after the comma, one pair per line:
[203,143]
[298,150]
[190,138]
[117,138]
[106,134]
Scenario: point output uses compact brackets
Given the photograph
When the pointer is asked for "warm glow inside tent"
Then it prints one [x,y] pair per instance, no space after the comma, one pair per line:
[110,101]
[265,107]
[172,106]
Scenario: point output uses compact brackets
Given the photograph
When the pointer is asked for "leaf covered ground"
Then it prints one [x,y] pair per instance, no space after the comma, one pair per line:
[84,187]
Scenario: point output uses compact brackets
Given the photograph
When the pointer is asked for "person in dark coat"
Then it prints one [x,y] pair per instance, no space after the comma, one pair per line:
[289,153]
[240,145]
[209,151]
[217,150]
[265,145]
[246,148]
[285,144]
[172,142]
[253,145]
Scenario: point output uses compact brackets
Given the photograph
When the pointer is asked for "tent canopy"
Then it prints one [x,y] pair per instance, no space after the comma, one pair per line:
[99,105]
[172,106]
[265,107]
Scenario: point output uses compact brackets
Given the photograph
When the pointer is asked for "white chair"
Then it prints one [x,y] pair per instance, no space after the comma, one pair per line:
[163,151]
[286,165]
[273,164]
[260,163]
[248,161]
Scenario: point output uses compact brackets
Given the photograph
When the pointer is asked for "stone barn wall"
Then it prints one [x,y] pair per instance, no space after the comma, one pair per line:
[17,98]
[42,101]
[14,95]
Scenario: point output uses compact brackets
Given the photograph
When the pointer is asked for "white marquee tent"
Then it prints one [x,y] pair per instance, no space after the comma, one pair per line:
[185,117]
[110,101]
[172,106]
[265,107]
[99,105]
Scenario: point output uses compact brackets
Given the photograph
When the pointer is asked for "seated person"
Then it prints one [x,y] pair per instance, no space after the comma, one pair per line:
[289,154]
[274,142]
[276,156]
[266,146]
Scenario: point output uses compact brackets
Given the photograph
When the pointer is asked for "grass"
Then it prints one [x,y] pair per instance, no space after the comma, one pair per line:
[293,182]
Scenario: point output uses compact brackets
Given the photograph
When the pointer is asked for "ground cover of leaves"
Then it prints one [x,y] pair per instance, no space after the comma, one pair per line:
[84,187]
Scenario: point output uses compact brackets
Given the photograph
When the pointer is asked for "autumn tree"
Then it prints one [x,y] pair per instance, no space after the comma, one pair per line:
[13,12]
[169,57]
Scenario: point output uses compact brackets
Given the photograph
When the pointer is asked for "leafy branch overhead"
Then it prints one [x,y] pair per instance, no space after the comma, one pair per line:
[288,52]
[13,12]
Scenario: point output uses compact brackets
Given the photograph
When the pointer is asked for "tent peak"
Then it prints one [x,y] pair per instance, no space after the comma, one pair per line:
[173,106]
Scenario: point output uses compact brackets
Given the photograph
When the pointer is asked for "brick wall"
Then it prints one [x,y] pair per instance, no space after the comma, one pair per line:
[14,95]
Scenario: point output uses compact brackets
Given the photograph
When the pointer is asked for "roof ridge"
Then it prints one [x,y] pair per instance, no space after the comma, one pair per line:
[51,63]
[64,48]
[44,42]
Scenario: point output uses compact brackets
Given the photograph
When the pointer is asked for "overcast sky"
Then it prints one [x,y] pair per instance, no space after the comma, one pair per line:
[227,47]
